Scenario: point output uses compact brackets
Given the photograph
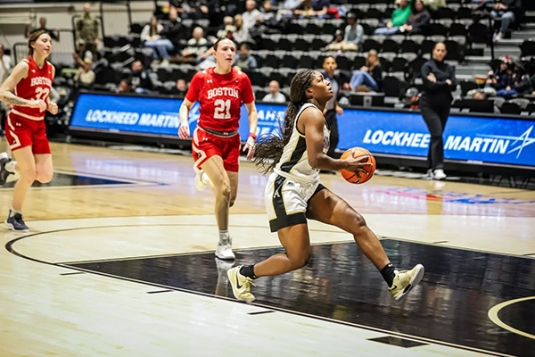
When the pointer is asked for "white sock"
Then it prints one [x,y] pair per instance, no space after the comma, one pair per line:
[13,212]
[223,235]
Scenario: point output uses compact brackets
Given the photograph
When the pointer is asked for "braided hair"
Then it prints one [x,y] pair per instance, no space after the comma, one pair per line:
[268,150]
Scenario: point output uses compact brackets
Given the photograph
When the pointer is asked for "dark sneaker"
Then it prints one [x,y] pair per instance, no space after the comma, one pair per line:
[16,223]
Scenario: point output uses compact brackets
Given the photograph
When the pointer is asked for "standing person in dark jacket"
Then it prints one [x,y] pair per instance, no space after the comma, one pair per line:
[435,104]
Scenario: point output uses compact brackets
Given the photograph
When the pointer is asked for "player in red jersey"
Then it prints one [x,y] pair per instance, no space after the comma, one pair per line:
[31,81]
[216,143]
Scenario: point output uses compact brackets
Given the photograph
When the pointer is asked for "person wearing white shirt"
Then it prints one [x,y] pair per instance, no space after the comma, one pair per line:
[249,16]
[274,96]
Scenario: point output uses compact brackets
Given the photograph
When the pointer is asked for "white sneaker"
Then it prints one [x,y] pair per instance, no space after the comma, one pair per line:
[241,285]
[429,175]
[439,174]
[199,180]
[224,249]
[404,281]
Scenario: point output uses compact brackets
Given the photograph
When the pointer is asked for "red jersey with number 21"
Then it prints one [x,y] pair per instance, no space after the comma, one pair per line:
[220,97]
[35,86]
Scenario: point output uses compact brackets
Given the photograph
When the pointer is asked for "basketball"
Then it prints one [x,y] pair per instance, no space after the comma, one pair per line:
[358,177]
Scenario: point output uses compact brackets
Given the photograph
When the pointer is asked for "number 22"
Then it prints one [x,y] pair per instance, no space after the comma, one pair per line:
[42,93]
[222,109]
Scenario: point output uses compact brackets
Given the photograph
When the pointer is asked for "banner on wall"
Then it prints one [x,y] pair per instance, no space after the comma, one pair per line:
[467,138]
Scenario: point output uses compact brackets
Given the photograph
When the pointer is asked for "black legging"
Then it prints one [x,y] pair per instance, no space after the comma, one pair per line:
[435,117]
[332,124]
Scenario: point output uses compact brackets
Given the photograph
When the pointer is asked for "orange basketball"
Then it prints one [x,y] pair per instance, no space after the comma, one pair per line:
[359,177]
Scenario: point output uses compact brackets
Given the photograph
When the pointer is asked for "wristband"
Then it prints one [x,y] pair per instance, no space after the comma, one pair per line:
[252,135]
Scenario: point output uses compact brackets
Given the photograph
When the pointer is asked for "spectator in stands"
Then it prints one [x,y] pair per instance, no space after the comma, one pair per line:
[274,96]
[82,54]
[140,78]
[195,9]
[180,89]
[230,30]
[338,42]
[54,34]
[197,46]
[481,95]
[437,4]
[418,19]
[370,75]
[5,64]
[250,15]
[312,8]
[85,77]
[399,18]
[87,29]
[242,33]
[245,60]
[519,82]
[508,11]
[267,11]
[412,99]
[177,4]
[353,35]
[291,4]
[169,38]
[499,79]
[435,104]
[125,86]
[151,31]
[223,31]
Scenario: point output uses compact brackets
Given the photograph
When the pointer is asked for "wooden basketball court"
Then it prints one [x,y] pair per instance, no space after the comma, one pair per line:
[119,262]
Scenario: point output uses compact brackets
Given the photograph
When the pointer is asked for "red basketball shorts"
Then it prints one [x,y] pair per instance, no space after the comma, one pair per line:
[22,132]
[206,145]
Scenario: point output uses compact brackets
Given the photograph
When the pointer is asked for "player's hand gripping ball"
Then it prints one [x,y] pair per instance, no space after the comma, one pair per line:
[360,171]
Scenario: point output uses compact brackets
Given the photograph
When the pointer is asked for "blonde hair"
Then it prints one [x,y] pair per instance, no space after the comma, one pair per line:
[372,53]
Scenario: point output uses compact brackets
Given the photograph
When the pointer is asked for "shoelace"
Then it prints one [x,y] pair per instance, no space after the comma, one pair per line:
[18,218]
[248,282]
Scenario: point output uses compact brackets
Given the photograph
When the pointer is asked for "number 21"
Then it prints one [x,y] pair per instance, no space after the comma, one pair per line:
[222,109]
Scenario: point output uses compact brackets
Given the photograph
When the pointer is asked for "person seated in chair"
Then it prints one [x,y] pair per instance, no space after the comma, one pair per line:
[508,11]
[418,19]
[370,75]
[399,18]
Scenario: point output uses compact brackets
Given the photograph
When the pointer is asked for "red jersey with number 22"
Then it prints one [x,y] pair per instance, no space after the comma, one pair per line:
[35,86]
[220,97]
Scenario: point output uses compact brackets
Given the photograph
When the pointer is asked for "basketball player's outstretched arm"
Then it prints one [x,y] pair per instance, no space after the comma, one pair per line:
[313,122]
[19,73]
